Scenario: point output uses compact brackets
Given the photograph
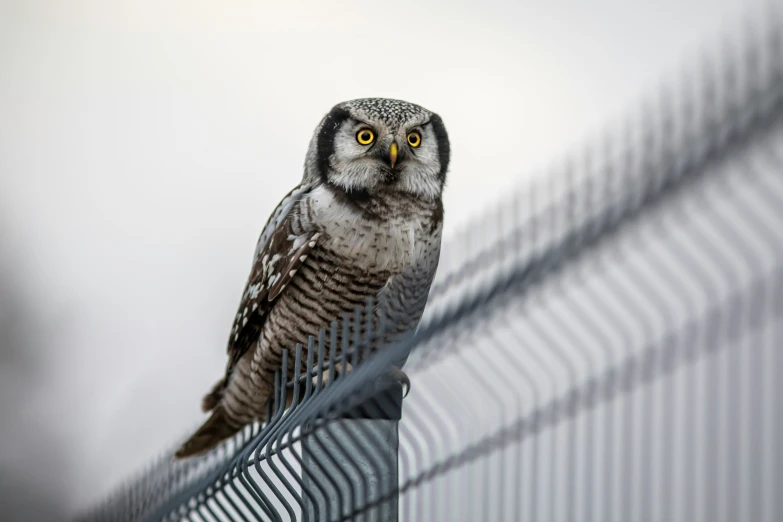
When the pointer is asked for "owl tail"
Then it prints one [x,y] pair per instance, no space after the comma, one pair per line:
[210,434]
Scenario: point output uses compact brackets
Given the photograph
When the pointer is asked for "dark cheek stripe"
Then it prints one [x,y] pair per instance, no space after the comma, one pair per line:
[444,149]
[326,135]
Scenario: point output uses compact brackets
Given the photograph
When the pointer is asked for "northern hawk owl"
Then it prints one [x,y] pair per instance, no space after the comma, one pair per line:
[365,221]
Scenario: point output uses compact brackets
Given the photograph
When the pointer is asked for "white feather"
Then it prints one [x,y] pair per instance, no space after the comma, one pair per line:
[351,235]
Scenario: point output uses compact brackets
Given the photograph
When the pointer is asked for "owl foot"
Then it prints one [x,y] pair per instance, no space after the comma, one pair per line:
[402,378]
[343,369]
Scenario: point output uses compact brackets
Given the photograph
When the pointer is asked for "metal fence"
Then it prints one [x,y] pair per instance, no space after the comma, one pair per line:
[604,346]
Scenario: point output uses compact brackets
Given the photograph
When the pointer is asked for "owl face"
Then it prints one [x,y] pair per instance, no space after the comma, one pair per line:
[375,145]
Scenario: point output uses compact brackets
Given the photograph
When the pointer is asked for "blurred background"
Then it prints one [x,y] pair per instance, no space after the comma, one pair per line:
[144,144]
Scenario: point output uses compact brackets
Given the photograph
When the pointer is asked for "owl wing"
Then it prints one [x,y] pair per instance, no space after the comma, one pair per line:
[279,254]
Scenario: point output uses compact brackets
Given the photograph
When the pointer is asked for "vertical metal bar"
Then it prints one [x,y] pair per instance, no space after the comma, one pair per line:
[373,424]
[776,437]
[323,459]
[312,460]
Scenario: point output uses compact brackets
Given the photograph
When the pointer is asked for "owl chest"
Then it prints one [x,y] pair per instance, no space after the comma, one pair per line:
[326,288]
[373,247]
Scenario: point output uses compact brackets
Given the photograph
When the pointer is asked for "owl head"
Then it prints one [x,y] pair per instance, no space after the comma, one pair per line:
[376,146]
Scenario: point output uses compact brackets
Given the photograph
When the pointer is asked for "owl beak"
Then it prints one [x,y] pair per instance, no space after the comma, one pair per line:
[393,153]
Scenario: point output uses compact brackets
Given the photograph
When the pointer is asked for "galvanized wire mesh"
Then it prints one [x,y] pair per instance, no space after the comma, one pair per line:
[607,347]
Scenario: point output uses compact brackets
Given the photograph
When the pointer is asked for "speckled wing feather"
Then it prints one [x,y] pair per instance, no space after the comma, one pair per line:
[281,251]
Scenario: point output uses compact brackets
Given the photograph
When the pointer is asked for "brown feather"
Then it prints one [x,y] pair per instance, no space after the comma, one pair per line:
[274,267]
[212,399]
[210,434]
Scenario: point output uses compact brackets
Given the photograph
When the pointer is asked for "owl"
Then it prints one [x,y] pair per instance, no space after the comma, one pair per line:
[365,222]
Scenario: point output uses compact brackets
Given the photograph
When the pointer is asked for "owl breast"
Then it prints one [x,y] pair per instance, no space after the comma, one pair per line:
[393,257]
[326,288]
[388,235]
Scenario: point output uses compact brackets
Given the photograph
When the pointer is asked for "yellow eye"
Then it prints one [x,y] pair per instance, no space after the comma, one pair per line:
[414,139]
[365,136]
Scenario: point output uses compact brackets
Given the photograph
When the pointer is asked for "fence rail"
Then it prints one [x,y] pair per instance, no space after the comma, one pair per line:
[608,346]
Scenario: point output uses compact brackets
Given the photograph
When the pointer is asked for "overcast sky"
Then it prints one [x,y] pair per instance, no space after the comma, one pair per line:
[143,145]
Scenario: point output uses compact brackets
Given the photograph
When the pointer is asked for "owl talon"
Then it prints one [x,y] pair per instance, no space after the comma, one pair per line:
[402,378]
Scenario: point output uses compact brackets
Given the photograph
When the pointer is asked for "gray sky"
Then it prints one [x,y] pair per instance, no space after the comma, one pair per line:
[143,145]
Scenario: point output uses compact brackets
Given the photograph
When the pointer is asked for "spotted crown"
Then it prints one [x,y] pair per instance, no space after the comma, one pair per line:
[388,111]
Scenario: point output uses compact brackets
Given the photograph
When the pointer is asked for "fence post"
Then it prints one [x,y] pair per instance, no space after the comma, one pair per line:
[354,461]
